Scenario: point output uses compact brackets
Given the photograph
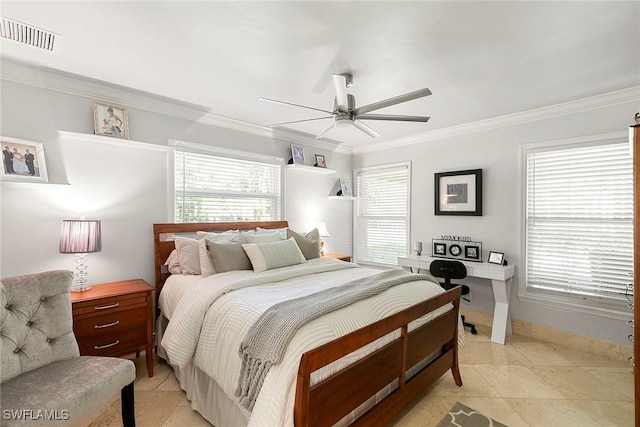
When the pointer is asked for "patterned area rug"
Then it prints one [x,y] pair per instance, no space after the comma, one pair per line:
[463,416]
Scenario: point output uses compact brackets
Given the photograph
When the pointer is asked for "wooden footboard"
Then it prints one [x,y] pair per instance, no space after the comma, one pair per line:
[327,402]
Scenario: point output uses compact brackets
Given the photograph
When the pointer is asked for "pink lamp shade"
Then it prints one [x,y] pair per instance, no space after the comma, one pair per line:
[80,236]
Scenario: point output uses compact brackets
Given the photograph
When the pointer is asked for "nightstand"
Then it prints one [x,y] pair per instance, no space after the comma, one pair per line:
[114,319]
[341,257]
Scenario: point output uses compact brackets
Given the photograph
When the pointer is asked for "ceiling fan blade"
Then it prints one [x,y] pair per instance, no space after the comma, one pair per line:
[294,105]
[298,121]
[366,129]
[340,85]
[392,101]
[392,117]
[324,132]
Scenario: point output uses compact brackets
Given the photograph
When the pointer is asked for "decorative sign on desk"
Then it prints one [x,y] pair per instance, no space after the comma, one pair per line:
[457,247]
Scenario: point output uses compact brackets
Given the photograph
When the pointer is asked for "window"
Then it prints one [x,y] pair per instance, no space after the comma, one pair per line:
[215,186]
[579,221]
[382,214]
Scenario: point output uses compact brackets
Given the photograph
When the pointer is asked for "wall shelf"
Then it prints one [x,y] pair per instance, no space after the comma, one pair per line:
[342,198]
[313,169]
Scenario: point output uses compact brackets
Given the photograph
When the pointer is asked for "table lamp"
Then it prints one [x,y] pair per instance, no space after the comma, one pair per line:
[323,232]
[80,237]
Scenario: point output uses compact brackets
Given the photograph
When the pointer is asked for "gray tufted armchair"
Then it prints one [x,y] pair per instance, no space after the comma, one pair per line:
[43,377]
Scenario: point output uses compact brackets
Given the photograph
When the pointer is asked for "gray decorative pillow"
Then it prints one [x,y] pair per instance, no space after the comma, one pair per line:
[309,243]
[266,256]
[227,256]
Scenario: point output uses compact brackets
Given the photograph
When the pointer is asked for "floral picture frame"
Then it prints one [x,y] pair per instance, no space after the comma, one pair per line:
[23,160]
[110,120]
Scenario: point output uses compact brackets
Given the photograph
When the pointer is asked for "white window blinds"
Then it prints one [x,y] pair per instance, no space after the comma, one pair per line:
[579,220]
[212,187]
[382,218]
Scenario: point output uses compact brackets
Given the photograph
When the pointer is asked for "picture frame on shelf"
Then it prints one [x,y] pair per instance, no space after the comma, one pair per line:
[472,252]
[110,120]
[297,154]
[439,249]
[320,161]
[345,187]
[23,160]
[496,258]
[458,193]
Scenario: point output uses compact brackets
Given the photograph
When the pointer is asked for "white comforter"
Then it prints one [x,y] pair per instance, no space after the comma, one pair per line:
[210,322]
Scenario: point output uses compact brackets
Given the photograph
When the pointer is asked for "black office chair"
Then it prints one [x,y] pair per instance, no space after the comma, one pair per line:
[452,270]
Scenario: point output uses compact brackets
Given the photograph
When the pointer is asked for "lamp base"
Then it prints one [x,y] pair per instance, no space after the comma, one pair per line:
[86,288]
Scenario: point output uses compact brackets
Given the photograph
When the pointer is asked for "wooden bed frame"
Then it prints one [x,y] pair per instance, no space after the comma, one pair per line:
[327,402]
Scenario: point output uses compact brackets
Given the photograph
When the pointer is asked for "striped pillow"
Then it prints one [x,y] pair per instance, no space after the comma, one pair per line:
[266,256]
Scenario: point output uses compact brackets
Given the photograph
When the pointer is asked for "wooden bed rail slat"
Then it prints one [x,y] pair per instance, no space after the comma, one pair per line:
[343,393]
[386,410]
[424,341]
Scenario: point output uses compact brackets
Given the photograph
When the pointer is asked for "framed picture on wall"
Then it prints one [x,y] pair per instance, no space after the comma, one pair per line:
[23,160]
[458,193]
[110,120]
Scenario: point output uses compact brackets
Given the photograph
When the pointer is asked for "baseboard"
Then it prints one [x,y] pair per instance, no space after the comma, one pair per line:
[554,336]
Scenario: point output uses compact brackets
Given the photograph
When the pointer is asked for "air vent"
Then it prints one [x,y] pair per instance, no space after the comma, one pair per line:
[28,34]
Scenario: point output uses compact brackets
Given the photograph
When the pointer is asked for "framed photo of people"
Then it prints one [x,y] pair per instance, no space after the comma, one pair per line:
[110,120]
[23,160]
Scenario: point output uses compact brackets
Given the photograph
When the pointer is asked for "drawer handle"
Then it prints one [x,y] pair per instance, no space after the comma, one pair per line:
[104,307]
[100,347]
[106,325]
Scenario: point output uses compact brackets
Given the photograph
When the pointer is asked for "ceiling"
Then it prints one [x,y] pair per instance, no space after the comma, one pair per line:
[480,59]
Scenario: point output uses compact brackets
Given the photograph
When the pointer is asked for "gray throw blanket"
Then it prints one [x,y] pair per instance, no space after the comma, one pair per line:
[267,340]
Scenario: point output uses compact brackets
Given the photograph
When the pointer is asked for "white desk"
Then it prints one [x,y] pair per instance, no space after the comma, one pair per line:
[500,276]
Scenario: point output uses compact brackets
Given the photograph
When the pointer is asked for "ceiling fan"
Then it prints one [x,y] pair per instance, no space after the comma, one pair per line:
[345,112]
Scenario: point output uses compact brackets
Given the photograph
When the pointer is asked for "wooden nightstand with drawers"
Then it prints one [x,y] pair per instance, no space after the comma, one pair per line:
[114,319]
[341,257]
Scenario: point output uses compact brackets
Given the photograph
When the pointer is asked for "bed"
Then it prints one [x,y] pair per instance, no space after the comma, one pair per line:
[408,335]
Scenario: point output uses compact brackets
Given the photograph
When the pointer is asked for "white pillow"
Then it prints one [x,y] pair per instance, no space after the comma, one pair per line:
[272,237]
[283,231]
[267,256]
[172,263]
[188,254]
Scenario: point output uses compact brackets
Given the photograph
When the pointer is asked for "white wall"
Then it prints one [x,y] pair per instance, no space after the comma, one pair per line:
[498,153]
[124,186]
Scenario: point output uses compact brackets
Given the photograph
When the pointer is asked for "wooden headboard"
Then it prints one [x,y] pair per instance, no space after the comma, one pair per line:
[162,248]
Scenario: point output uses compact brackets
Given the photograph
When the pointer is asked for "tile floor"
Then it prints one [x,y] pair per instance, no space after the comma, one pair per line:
[524,383]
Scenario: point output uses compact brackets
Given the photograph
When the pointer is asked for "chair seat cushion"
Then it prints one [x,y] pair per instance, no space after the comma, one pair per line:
[69,390]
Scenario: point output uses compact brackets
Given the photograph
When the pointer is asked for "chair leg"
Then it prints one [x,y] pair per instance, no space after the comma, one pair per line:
[128,411]
[474,331]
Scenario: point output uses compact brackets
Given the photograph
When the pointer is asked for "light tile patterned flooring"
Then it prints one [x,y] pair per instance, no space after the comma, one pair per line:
[523,383]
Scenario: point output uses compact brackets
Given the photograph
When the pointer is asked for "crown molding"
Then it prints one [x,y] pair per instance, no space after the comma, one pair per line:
[622,96]
[50,79]
[71,84]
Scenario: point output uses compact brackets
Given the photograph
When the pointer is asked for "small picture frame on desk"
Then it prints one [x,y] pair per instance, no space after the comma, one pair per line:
[439,249]
[472,252]
[496,258]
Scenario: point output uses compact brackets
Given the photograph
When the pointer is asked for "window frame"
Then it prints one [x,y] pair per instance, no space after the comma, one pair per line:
[218,152]
[575,303]
[356,255]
